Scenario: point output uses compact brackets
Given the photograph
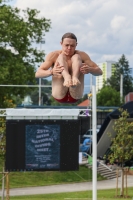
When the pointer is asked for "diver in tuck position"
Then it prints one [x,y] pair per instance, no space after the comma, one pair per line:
[69,68]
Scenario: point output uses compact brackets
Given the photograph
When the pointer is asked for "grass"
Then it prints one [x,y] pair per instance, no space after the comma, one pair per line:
[29,179]
[85,195]
[26,179]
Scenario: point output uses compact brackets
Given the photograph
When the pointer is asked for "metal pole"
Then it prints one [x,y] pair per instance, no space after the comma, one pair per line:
[39,92]
[41,42]
[39,102]
[94,142]
[121,88]
[91,81]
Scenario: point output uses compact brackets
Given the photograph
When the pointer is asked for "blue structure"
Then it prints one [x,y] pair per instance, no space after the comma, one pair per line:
[85,147]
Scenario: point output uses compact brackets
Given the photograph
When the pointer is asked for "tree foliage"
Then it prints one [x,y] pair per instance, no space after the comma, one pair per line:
[20,32]
[121,67]
[108,96]
[122,144]
[2,137]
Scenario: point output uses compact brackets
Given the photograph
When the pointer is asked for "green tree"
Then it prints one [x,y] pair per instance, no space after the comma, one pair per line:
[2,137]
[18,54]
[108,96]
[122,144]
[121,67]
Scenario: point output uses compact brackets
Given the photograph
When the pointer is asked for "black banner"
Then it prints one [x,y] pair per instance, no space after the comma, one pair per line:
[37,145]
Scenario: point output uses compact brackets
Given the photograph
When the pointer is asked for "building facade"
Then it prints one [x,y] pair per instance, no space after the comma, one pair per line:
[108,69]
[131,72]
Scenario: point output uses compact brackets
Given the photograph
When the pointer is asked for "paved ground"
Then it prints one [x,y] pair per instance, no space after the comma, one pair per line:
[106,184]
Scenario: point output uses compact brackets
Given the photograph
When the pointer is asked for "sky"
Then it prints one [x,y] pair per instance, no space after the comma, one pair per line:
[104,28]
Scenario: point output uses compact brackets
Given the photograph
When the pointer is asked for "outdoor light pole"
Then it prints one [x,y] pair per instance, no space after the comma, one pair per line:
[40,96]
[39,92]
[94,141]
[121,88]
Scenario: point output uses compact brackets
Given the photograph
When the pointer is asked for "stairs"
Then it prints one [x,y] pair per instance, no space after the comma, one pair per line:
[105,171]
[109,172]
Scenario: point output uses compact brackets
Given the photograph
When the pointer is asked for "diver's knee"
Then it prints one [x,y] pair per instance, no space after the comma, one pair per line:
[61,56]
[76,57]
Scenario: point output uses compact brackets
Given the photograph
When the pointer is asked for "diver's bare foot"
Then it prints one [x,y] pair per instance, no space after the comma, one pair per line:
[67,82]
[75,81]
